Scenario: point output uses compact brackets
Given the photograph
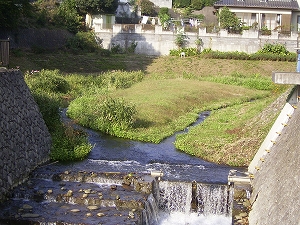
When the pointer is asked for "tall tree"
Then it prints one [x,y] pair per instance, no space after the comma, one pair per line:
[97,6]
[67,16]
[11,11]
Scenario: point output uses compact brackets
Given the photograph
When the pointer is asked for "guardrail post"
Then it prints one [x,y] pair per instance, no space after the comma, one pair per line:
[4,53]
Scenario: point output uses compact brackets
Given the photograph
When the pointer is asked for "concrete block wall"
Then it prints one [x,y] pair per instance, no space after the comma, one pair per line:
[24,138]
[160,42]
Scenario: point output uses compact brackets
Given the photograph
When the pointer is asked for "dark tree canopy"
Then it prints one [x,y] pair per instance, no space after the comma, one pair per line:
[97,6]
[11,11]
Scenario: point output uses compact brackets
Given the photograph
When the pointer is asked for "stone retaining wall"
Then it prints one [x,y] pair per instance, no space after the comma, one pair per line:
[24,138]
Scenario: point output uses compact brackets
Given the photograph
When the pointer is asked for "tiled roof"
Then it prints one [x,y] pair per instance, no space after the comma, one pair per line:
[277,4]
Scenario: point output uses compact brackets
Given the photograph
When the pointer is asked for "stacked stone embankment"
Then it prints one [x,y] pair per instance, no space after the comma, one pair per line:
[25,141]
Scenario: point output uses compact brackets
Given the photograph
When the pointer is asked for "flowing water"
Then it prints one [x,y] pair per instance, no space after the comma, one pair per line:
[191,190]
[117,154]
[190,203]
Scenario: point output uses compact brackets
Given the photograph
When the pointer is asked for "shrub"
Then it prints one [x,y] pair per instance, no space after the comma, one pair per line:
[180,40]
[48,105]
[132,47]
[121,79]
[103,113]
[278,49]
[84,41]
[49,81]
[116,49]
[68,17]
[47,88]
[181,3]
[269,52]
[72,147]
[187,51]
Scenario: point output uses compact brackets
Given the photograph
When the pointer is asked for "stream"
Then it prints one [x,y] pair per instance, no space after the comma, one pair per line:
[116,154]
[186,181]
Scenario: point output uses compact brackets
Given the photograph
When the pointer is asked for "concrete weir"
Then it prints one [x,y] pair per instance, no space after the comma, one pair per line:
[273,173]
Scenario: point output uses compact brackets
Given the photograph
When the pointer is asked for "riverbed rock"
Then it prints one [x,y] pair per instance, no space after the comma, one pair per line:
[30,215]
[100,214]
[87,191]
[131,215]
[27,207]
[85,195]
[75,210]
[69,193]
[243,214]
[92,207]
[113,187]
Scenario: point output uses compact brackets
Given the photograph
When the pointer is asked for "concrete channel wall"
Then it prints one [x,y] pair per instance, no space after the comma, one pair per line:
[275,172]
[24,138]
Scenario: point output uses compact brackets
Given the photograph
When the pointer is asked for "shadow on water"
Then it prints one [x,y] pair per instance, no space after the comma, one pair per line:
[123,155]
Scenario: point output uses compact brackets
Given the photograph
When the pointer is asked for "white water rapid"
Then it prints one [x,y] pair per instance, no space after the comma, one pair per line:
[180,203]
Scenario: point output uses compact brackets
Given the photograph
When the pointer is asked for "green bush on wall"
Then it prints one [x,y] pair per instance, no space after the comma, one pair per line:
[272,52]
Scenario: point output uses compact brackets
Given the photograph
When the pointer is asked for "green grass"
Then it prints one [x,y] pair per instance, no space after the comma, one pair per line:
[168,105]
[226,136]
[169,92]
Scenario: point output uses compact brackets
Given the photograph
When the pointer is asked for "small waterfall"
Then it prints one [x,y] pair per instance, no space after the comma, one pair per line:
[214,199]
[150,214]
[189,203]
[175,197]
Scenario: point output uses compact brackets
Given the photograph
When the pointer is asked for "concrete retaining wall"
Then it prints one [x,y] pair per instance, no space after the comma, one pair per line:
[155,41]
[160,42]
[24,138]
[276,181]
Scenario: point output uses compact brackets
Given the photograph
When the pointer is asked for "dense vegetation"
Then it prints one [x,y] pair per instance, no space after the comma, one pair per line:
[148,99]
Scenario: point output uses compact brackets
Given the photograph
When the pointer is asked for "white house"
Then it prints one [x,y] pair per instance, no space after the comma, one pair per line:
[99,22]
[163,3]
[272,14]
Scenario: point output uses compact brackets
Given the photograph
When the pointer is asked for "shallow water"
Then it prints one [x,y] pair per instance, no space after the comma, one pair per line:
[123,155]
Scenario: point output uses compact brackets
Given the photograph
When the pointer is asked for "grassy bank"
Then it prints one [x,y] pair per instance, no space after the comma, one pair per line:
[165,94]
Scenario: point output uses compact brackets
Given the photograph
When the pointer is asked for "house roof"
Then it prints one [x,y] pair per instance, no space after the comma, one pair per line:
[274,4]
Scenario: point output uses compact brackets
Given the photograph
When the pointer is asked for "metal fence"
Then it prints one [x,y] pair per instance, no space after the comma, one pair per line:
[4,53]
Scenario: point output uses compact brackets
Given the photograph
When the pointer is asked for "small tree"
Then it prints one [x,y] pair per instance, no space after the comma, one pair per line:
[199,43]
[180,40]
[164,16]
[147,8]
[229,21]
[97,6]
